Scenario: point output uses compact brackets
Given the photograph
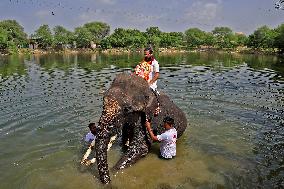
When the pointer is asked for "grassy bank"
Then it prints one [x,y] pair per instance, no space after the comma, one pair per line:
[242,50]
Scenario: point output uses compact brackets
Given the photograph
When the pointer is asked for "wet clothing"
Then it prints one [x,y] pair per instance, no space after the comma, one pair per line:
[90,137]
[168,143]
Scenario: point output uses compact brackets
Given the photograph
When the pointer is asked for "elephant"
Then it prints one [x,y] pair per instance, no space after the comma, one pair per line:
[126,105]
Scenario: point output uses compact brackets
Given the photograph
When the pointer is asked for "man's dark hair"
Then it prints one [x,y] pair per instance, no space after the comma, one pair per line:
[149,49]
[169,120]
[91,125]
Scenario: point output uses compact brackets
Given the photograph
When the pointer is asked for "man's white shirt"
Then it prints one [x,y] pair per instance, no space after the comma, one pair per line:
[168,143]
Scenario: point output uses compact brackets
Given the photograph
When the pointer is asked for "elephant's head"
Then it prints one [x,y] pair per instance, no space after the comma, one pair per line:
[127,93]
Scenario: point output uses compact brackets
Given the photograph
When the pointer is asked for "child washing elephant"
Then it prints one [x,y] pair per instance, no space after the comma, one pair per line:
[90,139]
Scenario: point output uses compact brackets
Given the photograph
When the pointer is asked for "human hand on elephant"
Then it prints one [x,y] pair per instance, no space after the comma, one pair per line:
[148,124]
[126,104]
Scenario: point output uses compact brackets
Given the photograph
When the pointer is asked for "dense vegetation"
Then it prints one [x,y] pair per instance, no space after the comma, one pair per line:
[13,37]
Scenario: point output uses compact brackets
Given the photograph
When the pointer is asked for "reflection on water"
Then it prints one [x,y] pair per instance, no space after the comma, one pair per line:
[234,104]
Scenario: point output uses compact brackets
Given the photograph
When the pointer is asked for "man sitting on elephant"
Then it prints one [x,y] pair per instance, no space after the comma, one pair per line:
[149,69]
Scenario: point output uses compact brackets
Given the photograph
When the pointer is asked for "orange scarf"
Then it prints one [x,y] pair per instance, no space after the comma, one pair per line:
[143,69]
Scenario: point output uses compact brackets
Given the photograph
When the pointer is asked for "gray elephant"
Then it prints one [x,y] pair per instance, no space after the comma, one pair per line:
[127,103]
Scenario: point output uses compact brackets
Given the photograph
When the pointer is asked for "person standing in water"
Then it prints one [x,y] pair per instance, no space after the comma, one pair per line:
[167,139]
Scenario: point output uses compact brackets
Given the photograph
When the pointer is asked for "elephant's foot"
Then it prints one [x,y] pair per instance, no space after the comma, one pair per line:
[133,154]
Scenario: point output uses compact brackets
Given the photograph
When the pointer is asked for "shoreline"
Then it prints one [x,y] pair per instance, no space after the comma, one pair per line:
[125,50]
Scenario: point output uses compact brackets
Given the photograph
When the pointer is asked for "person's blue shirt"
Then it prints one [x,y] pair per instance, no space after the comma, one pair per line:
[90,137]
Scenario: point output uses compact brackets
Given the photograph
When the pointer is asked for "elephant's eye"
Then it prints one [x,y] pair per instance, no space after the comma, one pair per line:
[147,97]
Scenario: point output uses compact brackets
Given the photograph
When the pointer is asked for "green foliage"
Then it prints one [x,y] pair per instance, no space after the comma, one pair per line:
[153,37]
[12,37]
[62,37]
[83,37]
[263,37]
[12,33]
[222,31]
[172,39]
[125,38]
[242,39]
[43,36]
[153,31]
[225,37]
[12,47]
[210,39]
[279,39]
[195,37]
[3,39]
[99,30]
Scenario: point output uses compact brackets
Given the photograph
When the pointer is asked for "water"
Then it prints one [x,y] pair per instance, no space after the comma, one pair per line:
[234,105]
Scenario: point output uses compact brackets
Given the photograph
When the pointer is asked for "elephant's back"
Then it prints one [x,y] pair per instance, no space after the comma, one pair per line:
[169,108]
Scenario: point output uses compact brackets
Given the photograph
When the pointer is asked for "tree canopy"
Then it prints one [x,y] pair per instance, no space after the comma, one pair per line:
[99,30]
[44,36]
[12,36]
[62,37]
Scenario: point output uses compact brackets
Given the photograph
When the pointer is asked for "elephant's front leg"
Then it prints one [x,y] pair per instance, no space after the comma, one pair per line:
[138,147]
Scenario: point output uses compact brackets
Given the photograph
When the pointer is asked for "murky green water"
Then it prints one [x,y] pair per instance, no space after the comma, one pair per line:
[234,104]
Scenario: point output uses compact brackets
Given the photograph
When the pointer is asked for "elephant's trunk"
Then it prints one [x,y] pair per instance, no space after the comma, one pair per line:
[102,141]
[105,131]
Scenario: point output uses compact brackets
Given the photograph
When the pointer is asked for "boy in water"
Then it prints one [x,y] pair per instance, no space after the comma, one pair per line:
[167,139]
[91,135]
[90,139]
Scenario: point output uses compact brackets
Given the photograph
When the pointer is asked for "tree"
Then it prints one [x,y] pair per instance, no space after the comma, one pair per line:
[83,37]
[153,31]
[210,39]
[153,36]
[263,37]
[125,38]
[195,37]
[225,37]
[279,38]
[43,36]
[3,39]
[241,39]
[99,30]
[15,33]
[62,37]
[172,39]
